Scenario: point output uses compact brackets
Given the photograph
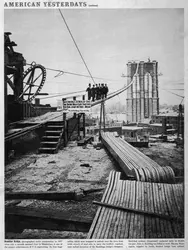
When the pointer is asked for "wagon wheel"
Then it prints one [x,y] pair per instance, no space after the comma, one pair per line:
[33,81]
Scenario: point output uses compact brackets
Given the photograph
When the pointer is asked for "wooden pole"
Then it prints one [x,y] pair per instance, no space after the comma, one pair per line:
[180,121]
[100,121]
[65,129]
[104,126]
[49,195]
[18,83]
[78,126]
[84,125]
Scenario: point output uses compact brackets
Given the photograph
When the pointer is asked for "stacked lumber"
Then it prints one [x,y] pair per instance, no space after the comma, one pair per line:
[151,210]
[134,163]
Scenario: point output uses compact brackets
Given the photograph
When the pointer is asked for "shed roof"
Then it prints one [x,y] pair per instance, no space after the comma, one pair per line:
[131,128]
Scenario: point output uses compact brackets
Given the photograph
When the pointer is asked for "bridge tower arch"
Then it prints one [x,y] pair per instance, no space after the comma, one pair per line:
[142,96]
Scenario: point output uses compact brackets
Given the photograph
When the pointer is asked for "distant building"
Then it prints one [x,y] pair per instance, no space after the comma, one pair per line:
[116,124]
[134,133]
[171,118]
[161,128]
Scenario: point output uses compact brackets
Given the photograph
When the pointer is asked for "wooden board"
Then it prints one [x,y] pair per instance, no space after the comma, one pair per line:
[161,208]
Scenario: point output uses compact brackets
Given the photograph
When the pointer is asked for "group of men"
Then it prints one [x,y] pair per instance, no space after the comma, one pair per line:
[97,92]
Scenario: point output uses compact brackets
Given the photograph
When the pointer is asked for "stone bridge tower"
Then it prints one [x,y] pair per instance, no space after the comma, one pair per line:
[142,96]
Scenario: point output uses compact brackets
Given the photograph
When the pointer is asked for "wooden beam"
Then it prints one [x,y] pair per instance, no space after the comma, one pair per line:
[65,129]
[134,210]
[36,94]
[8,33]
[19,218]
[10,44]
[48,195]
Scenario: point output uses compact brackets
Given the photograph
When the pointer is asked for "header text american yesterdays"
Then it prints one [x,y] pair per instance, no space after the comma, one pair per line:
[45,4]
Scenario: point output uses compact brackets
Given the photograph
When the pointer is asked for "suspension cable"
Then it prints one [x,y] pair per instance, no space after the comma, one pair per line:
[182,100]
[173,93]
[76,45]
[77,74]
[118,91]
[62,94]
[173,89]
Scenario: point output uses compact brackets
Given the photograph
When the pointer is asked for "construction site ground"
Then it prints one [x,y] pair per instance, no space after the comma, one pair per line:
[60,172]
[64,172]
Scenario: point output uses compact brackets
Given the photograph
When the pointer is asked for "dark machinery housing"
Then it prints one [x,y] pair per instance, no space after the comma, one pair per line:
[24,84]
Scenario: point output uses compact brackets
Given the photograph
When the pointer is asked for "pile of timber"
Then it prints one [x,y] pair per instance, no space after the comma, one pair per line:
[134,209]
[134,163]
[86,140]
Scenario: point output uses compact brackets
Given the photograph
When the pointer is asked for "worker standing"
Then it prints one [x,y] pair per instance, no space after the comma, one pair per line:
[93,93]
[106,91]
[102,91]
[99,93]
[88,90]
[96,92]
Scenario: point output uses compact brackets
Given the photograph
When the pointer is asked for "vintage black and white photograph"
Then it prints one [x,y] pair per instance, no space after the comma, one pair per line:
[94,123]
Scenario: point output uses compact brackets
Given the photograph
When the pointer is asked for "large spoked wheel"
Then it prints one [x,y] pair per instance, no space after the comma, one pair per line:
[33,81]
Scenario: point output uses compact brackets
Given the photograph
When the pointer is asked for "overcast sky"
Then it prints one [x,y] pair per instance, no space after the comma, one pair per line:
[107,38]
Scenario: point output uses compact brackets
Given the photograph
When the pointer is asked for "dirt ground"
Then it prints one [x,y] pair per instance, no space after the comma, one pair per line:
[60,172]
[166,154]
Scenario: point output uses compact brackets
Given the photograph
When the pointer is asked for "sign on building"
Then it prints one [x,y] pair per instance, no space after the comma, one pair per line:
[78,106]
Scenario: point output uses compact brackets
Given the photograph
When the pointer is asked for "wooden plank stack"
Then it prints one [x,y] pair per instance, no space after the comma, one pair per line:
[134,163]
[162,200]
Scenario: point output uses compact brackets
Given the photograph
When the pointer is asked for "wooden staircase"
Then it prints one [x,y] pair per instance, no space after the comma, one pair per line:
[52,138]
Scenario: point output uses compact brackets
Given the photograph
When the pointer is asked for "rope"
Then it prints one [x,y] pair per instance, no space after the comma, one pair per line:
[76,46]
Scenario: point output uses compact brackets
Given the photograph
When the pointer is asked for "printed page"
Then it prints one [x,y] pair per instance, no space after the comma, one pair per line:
[93,104]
